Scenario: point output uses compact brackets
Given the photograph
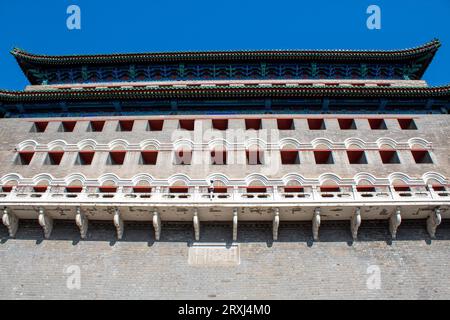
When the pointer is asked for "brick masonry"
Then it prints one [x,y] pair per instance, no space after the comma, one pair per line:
[412,267]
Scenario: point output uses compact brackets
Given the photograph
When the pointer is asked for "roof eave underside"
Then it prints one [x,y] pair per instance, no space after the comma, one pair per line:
[221,93]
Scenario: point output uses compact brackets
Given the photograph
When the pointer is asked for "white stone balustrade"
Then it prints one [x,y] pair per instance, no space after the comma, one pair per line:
[311,195]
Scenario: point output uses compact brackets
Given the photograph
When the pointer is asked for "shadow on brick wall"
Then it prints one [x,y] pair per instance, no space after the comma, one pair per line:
[330,231]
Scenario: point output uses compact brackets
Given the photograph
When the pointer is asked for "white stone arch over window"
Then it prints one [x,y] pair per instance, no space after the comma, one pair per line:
[396,177]
[57,145]
[176,179]
[434,176]
[257,179]
[420,143]
[355,142]
[150,144]
[383,142]
[218,178]
[330,177]
[185,144]
[28,145]
[143,177]
[219,144]
[319,142]
[11,177]
[43,179]
[255,143]
[119,144]
[294,177]
[364,177]
[289,143]
[87,144]
[69,180]
[109,177]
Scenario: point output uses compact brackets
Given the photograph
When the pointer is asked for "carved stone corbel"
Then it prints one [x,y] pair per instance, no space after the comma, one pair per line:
[46,223]
[394,222]
[316,224]
[10,221]
[157,225]
[355,222]
[82,223]
[235,224]
[276,223]
[433,221]
[118,223]
[196,221]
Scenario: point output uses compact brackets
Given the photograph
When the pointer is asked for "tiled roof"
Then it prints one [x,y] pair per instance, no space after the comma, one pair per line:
[430,47]
[217,92]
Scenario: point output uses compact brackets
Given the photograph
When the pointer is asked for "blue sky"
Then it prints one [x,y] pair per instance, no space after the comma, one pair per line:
[165,25]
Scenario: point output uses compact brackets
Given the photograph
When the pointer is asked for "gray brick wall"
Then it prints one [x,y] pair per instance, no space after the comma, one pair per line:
[412,267]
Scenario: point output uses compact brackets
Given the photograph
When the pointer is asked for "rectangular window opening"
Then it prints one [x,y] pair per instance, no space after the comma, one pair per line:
[220,124]
[96,126]
[68,126]
[116,157]
[40,189]
[389,157]
[24,158]
[290,157]
[85,158]
[142,189]
[407,124]
[323,157]
[74,189]
[285,124]
[330,189]
[347,124]
[179,190]
[365,189]
[357,157]
[402,188]
[294,189]
[316,124]
[125,125]
[39,126]
[377,124]
[188,124]
[109,189]
[421,156]
[54,158]
[155,125]
[149,157]
[253,124]
[218,189]
[256,190]
[7,189]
